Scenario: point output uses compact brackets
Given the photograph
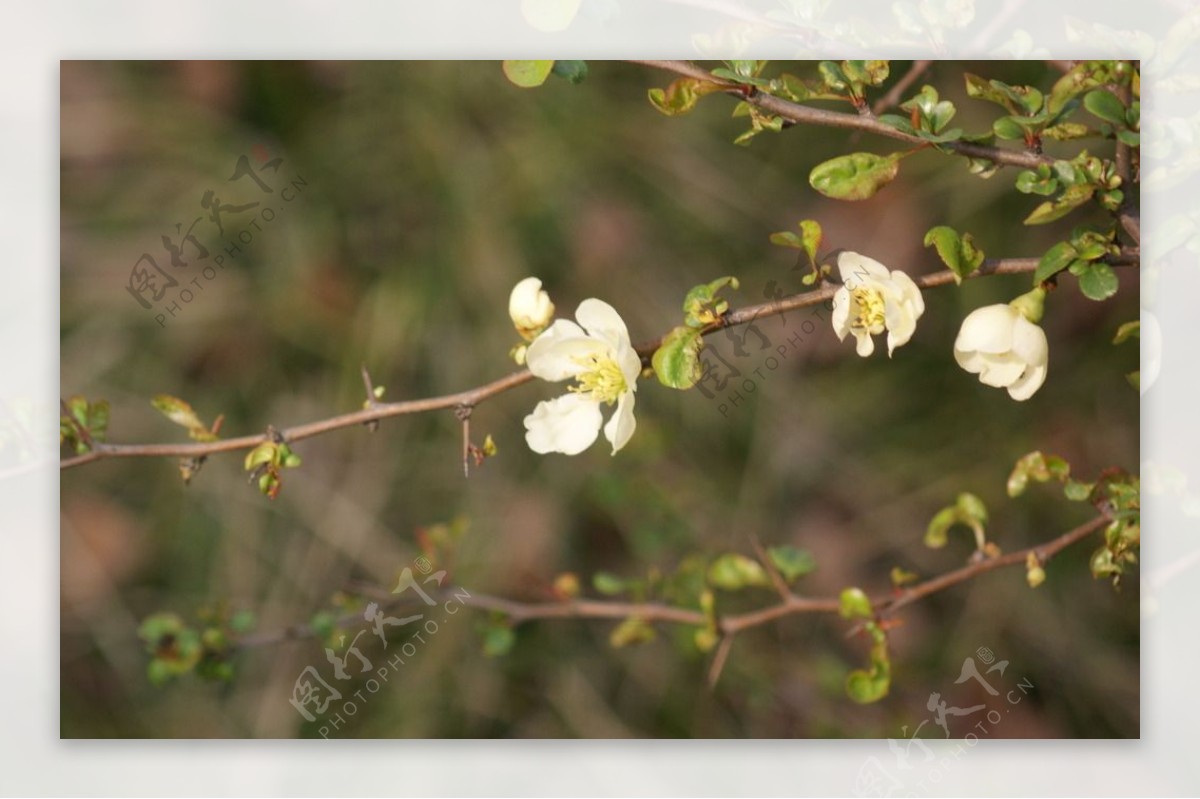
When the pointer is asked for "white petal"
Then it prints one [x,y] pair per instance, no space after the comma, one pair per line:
[856,269]
[1002,370]
[555,354]
[901,325]
[910,295]
[1029,382]
[631,365]
[865,345]
[973,362]
[988,329]
[568,424]
[601,319]
[1029,343]
[621,425]
[841,313]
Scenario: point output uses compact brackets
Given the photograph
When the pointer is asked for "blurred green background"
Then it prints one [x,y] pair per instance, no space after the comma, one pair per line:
[429,189]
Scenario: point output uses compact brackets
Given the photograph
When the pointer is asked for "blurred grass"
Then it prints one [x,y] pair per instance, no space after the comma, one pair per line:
[431,189]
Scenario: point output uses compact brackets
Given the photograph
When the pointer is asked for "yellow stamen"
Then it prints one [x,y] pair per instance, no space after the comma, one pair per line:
[869,304]
[603,381]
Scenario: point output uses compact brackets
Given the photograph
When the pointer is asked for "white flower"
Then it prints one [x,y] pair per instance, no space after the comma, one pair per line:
[530,308]
[606,369]
[872,300]
[1004,348]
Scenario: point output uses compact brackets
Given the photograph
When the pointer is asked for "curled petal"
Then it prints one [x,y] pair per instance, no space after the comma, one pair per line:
[865,345]
[621,424]
[1025,386]
[568,424]
[1001,371]
[841,313]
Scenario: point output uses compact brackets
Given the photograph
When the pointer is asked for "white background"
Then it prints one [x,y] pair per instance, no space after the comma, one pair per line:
[34,761]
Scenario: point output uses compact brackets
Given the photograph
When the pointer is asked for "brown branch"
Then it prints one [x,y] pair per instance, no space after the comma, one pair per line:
[473,397]
[802,114]
[520,612]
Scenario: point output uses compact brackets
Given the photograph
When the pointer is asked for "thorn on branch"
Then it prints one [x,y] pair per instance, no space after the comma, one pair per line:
[463,414]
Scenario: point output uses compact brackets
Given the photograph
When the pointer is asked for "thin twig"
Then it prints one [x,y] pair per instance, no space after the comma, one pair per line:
[473,397]
[720,657]
[802,114]
[892,98]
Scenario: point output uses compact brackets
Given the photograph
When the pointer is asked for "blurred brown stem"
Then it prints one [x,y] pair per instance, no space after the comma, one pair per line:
[519,612]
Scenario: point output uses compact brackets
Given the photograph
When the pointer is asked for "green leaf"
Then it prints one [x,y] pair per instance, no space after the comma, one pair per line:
[854,604]
[1129,137]
[498,639]
[1127,331]
[574,71]
[527,74]
[1105,105]
[971,509]
[808,240]
[868,73]
[1098,282]
[901,577]
[792,563]
[942,521]
[1066,131]
[832,75]
[1036,466]
[1077,491]
[1039,182]
[1053,261]
[702,306]
[706,638]
[631,631]
[242,621]
[608,583]
[182,414]
[981,89]
[677,361]
[1082,77]
[1072,198]
[856,176]
[681,95]
[733,572]
[1008,128]
[871,684]
[957,252]
[266,452]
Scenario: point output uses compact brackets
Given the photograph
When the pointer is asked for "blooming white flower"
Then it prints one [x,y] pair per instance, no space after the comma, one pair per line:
[600,358]
[872,300]
[530,308]
[1006,349]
